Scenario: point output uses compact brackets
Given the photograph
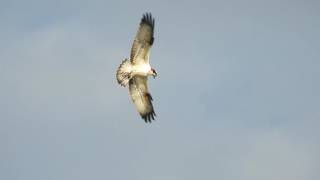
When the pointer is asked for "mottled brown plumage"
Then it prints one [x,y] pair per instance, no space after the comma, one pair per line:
[143,40]
[141,97]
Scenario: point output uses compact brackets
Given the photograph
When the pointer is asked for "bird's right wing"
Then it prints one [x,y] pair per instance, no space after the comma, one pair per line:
[141,97]
[143,41]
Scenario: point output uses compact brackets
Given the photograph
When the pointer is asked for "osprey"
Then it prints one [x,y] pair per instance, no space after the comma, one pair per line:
[135,71]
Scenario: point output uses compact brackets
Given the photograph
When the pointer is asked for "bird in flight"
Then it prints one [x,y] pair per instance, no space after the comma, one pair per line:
[134,72]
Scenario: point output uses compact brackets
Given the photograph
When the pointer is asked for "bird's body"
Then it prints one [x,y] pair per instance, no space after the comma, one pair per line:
[141,69]
[134,72]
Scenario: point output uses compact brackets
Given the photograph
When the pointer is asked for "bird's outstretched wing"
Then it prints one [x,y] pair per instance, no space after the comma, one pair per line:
[143,40]
[141,97]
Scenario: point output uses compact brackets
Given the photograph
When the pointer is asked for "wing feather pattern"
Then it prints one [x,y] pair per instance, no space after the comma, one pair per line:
[143,40]
[141,97]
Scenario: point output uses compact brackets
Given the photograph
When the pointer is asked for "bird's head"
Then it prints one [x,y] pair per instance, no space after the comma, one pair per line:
[153,73]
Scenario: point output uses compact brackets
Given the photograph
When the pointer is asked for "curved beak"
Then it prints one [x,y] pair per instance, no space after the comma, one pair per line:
[153,73]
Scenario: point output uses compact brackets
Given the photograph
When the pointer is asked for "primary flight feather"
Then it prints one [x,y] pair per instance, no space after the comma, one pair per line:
[134,72]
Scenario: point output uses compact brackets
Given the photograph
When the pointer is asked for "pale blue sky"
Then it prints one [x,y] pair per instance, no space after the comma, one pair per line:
[237,94]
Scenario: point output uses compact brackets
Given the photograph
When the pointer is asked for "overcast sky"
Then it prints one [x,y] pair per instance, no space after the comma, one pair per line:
[237,93]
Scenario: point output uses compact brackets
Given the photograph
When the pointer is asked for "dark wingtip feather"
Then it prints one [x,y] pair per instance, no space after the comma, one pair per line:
[149,116]
[148,19]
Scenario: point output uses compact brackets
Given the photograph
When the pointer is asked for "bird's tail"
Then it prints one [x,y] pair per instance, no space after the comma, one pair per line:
[124,72]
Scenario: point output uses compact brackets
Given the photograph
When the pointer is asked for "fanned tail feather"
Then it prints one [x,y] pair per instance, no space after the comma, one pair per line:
[124,73]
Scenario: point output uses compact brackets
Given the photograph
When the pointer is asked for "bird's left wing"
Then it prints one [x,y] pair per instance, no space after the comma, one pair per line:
[143,41]
[141,97]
